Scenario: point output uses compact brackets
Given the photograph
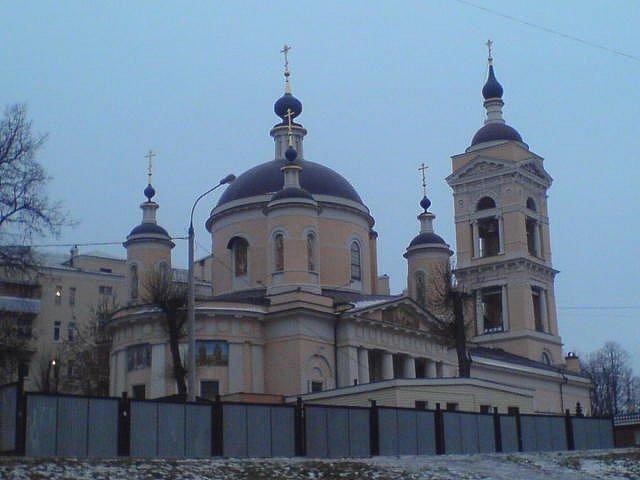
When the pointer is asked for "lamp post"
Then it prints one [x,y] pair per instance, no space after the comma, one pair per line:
[191,297]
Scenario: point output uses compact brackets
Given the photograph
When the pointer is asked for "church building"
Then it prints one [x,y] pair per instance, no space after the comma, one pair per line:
[299,309]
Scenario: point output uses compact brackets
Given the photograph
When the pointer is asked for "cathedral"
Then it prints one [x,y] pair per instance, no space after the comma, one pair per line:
[290,303]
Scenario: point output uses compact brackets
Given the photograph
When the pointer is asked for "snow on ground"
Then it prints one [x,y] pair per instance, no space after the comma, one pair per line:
[608,464]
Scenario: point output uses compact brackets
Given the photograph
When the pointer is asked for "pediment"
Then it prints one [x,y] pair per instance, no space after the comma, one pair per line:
[403,312]
[480,167]
[535,168]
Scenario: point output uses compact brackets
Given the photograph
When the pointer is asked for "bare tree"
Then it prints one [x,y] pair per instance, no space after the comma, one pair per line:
[14,345]
[615,389]
[25,209]
[447,299]
[171,298]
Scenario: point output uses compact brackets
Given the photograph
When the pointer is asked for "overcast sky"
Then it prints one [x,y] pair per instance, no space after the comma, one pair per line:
[385,86]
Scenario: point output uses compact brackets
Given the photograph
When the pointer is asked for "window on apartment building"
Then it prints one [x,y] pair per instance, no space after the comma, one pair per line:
[105,290]
[538,308]
[72,331]
[24,326]
[491,309]
[422,404]
[209,389]
[485,408]
[56,331]
[106,270]
[212,352]
[316,387]
[72,296]
[58,294]
[139,392]
[139,357]
[452,406]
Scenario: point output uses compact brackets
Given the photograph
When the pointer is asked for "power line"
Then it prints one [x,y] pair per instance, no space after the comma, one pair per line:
[602,307]
[75,244]
[551,31]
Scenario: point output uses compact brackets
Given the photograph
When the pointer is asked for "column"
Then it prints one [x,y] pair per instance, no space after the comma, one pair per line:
[431,369]
[236,368]
[544,312]
[347,365]
[112,375]
[479,313]
[409,368]
[476,239]
[121,372]
[505,308]
[157,388]
[257,368]
[501,233]
[439,370]
[536,237]
[387,366]
[363,365]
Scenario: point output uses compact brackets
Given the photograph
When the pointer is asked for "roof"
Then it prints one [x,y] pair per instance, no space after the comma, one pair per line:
[342,296]
[423,238]
[147,228]
[496,131]
[267,178]
[256,296]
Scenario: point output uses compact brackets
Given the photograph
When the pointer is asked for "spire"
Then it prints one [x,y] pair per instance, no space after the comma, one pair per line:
[287,101]
[492,92]
[149,191]
[425,203]
[287,73]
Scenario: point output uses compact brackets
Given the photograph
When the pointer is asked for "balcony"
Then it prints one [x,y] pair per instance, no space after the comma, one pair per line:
[19,305]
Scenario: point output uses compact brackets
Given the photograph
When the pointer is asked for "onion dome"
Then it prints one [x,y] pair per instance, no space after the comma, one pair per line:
[492,88]
[425,203]
[149,192]
[285,103]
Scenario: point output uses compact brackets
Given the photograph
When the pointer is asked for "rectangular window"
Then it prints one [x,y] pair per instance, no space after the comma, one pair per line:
[138,392]
[105,290]
[489,237]
[71,331]
[209,389]
[58,295]
[316,387]
[536,296]
[24,327]
[397,366]
[485,408]
[452,406]
[139,357]
[106,270]
[212,352]
[421,368]
[375,365]
[491,309]
[56,331]
[532,244]
[72,295]
[422,404]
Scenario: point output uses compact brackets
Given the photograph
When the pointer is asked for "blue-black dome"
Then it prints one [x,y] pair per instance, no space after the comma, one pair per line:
[425,203]
[496,131]
[291,192]
[287,102]
[149,192]
[424,238]
[492,89]
[149,228]
[266,178]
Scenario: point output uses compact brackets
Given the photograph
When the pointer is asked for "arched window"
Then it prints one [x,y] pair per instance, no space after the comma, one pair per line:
[311,252]
[134,281]
[278,252]
[531,204]
[239,250]
[356,265]
[420,286]
[486,203]
[546,358]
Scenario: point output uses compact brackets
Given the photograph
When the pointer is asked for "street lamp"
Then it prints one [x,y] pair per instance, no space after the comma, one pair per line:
[191,296]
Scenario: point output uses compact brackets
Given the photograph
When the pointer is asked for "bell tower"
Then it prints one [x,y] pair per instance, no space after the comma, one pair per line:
[502,236]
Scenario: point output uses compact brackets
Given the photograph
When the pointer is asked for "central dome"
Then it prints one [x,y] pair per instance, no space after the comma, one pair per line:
[266,178]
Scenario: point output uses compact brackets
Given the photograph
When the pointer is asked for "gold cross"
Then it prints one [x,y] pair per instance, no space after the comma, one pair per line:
[423,168]
[289,116]
[489,45]
[149,156]
[285,51]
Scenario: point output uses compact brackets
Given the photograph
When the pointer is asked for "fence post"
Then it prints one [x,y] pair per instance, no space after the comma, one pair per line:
[568,427]
[374,429]
[124,426]
[439,430]
[21,418]
[497,431]
[299,430]
[217,429]
[519,429]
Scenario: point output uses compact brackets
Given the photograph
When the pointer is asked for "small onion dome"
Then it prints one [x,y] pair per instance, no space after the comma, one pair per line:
[492,89]
[291,154]
[291,192]
[427,237]
[496,131]
[425,203]
[149,228]
[149,192]
[287,102]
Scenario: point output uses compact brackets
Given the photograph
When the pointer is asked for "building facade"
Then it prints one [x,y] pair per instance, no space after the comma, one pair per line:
[298,306]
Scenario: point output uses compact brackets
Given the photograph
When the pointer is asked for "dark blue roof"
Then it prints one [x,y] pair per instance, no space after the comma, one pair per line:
[427,238]
[492,89]
[147,228]
[495,131]
[267,178]
[291,192]
[287,102]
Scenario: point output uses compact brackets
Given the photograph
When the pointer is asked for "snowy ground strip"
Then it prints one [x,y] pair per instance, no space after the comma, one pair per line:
[609,464]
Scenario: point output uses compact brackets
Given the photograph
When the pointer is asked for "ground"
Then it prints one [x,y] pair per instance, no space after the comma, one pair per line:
[609,464]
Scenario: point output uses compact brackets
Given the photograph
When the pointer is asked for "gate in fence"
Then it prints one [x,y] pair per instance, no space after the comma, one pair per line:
[38,424]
